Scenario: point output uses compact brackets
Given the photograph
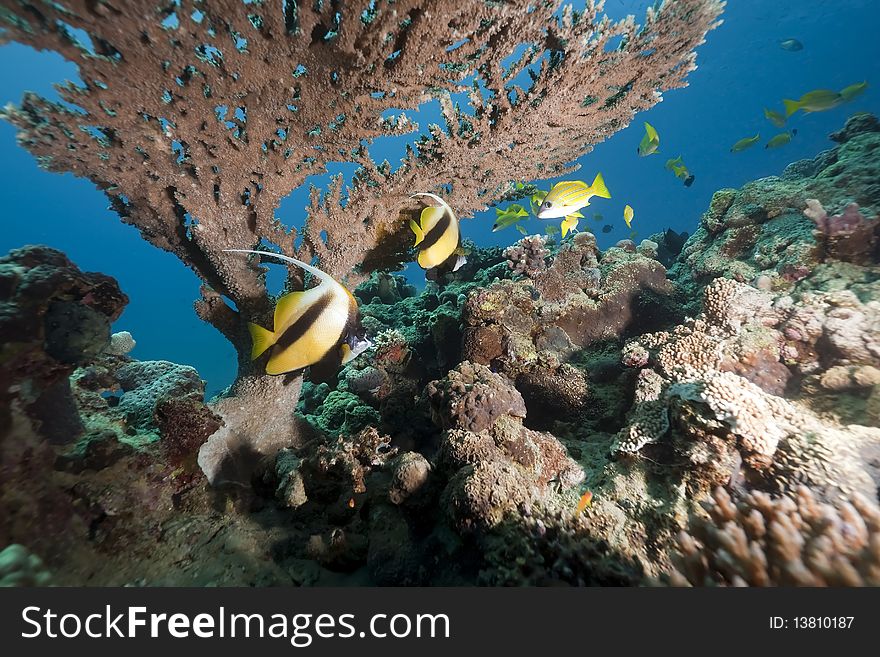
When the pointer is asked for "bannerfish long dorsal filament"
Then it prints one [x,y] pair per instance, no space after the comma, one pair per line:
[319,327]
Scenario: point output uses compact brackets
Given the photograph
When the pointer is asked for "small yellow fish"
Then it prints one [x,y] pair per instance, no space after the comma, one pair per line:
[585,501]
[776,118]
[522,229]
[551,230]
[680,170]
[853,91]
[570,223]
[508,217]
[650,141]
[633,234]
[628,216]
[814,101]
[743,144]
[781,139]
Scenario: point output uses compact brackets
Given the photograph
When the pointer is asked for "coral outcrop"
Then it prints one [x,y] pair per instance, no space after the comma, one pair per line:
[53,317]
[777,230]
[759,540]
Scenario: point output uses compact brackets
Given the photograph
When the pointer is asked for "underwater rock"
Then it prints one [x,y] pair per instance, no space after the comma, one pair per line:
[53,317]
[146,384]
[410,475]
[18,567]
[796,540]
[575,302]
[473,398]
[494,465]
[552,548]
[700,387]
[526,257]
[121,344]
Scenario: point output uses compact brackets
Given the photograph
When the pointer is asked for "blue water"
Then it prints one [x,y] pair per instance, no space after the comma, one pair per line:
[741,70]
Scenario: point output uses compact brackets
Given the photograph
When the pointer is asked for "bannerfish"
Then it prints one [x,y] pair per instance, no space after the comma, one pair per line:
[776,118]
[853,91]
[791,45]
[650,141]
[781,139]
[814,101]
[680,170]
[508,217]
[567,197]
[438,237]
[743,144]
[607,228]
[585,501]
[628,215]
[318,327]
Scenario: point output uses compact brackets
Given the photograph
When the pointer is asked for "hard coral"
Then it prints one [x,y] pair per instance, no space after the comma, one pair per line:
[795,540]
[526,257]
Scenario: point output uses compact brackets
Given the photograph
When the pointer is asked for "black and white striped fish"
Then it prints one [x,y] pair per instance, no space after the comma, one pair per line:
[438,237]
[318,328]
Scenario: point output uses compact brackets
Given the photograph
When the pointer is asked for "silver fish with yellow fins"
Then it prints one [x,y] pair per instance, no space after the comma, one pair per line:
[567,197]
[319,327]
[438,238]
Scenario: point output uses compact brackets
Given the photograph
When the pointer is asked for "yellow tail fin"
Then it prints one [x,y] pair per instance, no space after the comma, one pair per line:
[598,187]
[791,106]
[263,339]
[417,230]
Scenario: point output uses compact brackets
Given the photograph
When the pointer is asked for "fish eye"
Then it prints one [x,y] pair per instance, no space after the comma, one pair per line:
[548,204]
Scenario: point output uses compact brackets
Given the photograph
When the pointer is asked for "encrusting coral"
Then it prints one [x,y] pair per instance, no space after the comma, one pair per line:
[759,540]
[198,118]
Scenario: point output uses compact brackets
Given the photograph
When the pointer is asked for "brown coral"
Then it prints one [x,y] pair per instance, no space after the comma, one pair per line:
[759,540]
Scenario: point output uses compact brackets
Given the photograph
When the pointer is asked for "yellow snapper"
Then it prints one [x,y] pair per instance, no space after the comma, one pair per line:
[781,139]
[628,215]
[567,197]
[508,217]
[814,101]
[319,327]
[776,118]
[438,237]
[853,90]
[680,170]
[650,141]
[743,144]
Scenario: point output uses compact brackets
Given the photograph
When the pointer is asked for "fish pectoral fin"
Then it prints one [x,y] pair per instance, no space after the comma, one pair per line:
[417,230]
[262,339]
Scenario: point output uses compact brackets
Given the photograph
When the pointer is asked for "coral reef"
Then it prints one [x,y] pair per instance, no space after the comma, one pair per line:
[777,230]
[196,140]
[759,540]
